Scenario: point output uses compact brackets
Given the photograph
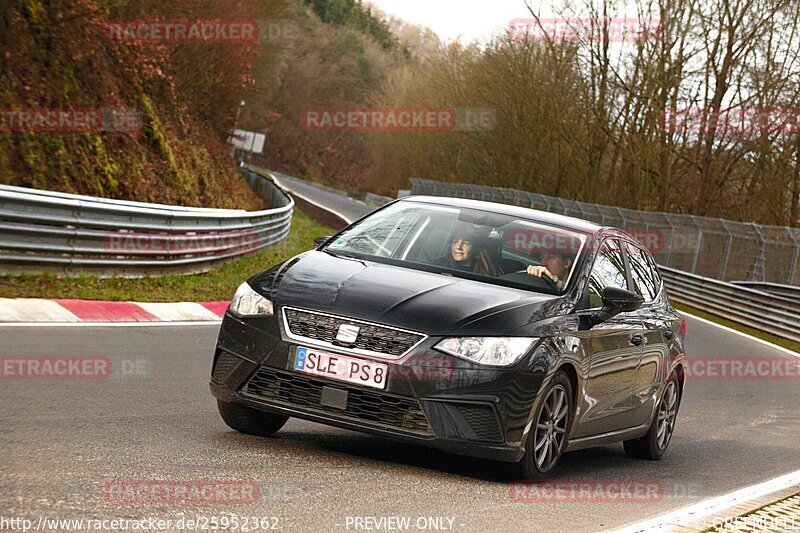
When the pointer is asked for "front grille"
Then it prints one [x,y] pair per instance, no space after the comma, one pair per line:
[378,407]
[371,338]
[482,420]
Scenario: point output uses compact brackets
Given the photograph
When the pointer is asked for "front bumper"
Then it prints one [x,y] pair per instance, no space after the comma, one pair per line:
[430,398]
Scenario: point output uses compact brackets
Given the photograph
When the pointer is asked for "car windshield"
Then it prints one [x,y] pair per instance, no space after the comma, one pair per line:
[464,242]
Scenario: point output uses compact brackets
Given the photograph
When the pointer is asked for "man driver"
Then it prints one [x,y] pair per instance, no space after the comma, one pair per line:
[555,266]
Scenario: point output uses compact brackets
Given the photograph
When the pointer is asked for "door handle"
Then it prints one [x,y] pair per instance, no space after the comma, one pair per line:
[638,340]
[669,334]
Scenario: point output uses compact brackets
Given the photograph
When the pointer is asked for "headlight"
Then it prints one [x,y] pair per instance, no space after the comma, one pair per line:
[247,302]
[492,351]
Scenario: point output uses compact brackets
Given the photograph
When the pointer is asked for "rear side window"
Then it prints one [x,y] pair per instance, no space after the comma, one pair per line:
[608,271]
[645,280]
[651,261]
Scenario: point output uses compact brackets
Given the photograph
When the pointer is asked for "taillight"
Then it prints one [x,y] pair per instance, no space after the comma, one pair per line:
[683,326]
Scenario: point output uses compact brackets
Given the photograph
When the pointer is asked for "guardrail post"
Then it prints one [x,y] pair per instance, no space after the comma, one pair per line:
[698,247]
[728,246]
[621,217]
[756,270]
[671,239]
[793,271]
[601,209]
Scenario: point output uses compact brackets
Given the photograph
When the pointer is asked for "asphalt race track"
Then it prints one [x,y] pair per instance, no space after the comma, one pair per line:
[342,205]
[152,418]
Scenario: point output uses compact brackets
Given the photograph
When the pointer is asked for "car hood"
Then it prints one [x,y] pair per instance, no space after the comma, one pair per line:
[410,299]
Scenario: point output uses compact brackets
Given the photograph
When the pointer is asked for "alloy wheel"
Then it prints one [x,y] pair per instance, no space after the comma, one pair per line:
[667,412]
[551,428]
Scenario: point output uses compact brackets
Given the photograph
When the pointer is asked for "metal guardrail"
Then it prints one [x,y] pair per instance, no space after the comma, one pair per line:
[368,198]
[376,199]
[787,291]
[774,314]
[43,231]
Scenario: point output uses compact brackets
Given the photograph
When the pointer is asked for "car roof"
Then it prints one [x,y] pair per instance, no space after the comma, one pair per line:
[545,217]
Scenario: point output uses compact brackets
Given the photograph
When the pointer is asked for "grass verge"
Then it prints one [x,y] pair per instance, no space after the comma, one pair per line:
[218,284]
[780,341]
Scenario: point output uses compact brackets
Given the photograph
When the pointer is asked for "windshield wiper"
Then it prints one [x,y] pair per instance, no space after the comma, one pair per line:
[332,253]
[341,255]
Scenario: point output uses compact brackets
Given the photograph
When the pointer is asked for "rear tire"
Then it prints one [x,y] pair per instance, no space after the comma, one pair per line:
[653,445]
[548,436]
[250,421]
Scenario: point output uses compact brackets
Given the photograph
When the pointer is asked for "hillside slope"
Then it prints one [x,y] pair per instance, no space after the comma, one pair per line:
[57,55]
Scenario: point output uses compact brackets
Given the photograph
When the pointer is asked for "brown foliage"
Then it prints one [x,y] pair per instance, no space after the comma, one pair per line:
[56,55]
[591,119]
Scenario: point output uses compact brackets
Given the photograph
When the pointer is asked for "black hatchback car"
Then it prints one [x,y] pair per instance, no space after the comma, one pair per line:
[478,328]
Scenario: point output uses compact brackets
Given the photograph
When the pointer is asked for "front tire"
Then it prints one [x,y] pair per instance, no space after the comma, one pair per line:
[547,438]
[654,444]
[250,421]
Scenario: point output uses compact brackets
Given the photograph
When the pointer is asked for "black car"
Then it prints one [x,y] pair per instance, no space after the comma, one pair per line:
[477,328]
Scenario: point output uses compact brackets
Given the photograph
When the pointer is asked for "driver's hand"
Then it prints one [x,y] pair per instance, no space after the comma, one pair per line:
[539,271]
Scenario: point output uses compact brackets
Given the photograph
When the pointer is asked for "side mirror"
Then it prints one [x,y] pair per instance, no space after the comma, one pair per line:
[616,301]
[319,241]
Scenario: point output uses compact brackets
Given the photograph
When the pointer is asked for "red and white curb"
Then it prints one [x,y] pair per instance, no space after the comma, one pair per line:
[16,311]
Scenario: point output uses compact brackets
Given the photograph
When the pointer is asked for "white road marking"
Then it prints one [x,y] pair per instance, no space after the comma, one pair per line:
[693,515]
[179,312]
[737,332]
[309,200]
[34,310]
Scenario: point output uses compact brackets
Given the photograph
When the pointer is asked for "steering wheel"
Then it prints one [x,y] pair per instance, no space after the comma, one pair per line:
[547,279]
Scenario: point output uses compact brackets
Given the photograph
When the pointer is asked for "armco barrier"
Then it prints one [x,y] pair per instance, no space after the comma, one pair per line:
[787,291]
[43,231]
[774,314]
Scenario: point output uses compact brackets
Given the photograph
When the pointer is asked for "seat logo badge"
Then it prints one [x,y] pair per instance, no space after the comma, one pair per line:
[347,333]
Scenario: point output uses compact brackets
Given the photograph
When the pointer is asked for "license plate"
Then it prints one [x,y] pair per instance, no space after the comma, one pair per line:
[341,368]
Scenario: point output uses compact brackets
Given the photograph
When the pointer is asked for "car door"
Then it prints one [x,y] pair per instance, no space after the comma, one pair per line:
[658,331]
[612,350]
